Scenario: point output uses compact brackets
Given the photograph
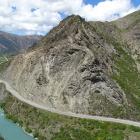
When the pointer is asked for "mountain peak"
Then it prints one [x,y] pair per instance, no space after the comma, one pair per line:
[74,19]
[68,23]
[67,27]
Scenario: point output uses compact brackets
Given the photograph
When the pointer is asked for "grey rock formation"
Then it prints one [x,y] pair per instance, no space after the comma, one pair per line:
[70,69]
[3,94]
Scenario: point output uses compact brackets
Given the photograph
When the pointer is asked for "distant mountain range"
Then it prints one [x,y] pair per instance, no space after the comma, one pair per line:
[12,44]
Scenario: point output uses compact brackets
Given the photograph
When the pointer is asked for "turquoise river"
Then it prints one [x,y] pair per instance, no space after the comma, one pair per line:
[11,131]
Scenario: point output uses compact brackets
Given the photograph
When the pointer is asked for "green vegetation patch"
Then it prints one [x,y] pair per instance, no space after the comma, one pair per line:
[127,76]
[51,126]
[1,138]
[4,62]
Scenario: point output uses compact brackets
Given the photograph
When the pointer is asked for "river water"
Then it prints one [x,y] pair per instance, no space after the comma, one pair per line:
[11,131]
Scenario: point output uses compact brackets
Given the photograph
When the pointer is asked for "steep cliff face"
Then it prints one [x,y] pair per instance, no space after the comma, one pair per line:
[75,68]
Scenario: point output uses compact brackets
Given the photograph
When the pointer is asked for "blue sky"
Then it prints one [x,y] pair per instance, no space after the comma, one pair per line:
[136,2]
[30,17]
[94,2]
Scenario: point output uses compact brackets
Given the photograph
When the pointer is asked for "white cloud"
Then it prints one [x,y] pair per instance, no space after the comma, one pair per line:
[39,16]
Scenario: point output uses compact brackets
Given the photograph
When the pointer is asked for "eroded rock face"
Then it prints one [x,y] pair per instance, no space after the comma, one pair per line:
[71,71]
[3,92]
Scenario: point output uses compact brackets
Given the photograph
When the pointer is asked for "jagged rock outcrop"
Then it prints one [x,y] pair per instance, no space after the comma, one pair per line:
[3,92]
[70,71]
[76,68]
